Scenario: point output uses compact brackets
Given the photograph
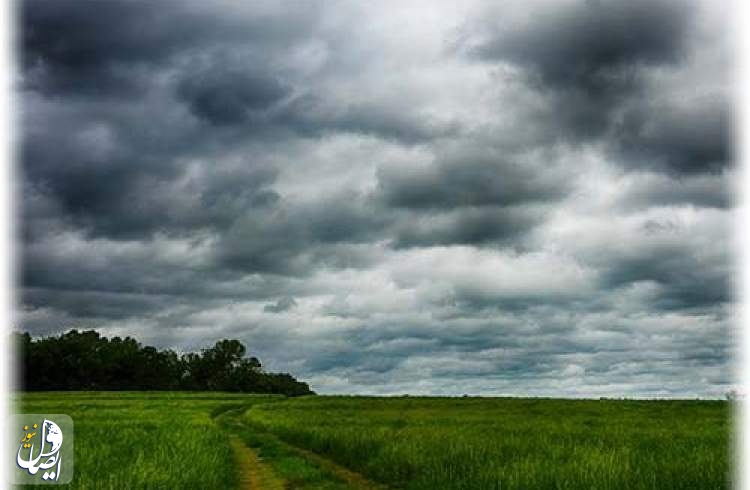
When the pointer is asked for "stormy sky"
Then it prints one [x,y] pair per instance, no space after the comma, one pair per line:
[524,198]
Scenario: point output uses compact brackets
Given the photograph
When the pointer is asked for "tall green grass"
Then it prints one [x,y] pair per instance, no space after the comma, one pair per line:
[474,443]
[173,440]
[145,440]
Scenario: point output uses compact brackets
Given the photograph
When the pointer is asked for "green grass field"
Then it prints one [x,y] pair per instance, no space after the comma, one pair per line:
[182,440]
[140,440]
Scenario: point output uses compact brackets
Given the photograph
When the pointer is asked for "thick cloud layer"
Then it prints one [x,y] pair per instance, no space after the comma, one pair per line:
[593,46]
[526,198]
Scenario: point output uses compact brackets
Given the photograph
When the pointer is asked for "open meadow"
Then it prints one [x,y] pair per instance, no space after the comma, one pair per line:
[138,440]
[222,213]
[216,440]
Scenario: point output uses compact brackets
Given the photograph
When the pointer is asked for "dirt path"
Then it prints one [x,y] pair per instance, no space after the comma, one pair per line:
[354,480]
[253,474]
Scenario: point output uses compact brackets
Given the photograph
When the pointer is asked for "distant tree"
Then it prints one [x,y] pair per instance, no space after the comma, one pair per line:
[87,361]
[220,361]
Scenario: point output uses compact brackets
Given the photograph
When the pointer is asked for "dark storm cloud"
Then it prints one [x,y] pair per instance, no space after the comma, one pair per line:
[689,138]
[68,47]
[702,190]
[223,95]
[224,60]
[591,45]
[468,179]
[679,261]
[94,304]
[544,213]
[592,59]
[130,158]
[121,192]
[102,280]
[683,281]
[65,262]
[296,240]
[124,171]
[467,226]
[71,48]
[498,354]
[471,194]
[382,350]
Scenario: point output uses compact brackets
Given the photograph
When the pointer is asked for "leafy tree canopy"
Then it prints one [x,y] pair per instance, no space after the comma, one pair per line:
[88,361]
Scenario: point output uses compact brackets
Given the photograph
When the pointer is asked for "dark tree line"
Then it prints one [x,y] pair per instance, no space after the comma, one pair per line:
[87,361]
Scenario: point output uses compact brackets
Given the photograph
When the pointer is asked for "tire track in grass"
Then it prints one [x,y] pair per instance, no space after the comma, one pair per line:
[253,474]
[350,478]
[353,480]
[258,475]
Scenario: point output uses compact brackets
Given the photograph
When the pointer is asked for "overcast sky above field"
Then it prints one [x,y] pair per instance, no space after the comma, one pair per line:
[527,198]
